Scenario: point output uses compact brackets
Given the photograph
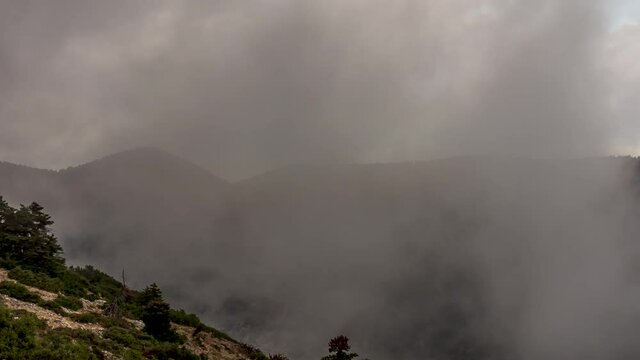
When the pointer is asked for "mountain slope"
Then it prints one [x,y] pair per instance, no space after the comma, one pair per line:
[50,311]
[416,260]
[121,200]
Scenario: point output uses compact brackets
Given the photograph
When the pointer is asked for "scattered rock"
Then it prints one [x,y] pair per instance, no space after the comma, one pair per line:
[205,343]
[45,295]
[52,319]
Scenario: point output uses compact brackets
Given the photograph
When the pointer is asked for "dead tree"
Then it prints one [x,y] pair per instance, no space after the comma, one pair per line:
[114,309]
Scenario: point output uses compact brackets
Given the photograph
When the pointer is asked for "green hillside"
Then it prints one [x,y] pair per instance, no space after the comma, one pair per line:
[51,311]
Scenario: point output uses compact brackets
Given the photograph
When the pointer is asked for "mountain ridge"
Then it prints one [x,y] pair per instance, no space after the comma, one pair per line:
[285,258]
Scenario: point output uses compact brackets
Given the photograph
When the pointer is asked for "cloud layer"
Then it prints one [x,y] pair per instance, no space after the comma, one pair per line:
[245,86]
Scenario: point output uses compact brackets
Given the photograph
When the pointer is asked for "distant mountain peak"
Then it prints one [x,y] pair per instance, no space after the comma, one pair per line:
[148,159]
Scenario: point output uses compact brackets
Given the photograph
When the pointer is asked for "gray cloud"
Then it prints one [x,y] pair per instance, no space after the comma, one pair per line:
[241,87]
[245,86]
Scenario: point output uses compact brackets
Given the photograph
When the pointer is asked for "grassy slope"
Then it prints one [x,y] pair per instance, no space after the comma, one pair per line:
[62,318]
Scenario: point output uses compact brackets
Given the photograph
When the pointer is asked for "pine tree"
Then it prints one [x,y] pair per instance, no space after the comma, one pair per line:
[157,321]
[26,239]
[156,314]
[149,294]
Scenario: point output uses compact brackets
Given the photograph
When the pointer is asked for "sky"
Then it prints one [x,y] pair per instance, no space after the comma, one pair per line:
[241,87]
[625,12]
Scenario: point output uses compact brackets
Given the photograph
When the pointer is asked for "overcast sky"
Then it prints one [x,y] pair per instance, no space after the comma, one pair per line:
[243,86]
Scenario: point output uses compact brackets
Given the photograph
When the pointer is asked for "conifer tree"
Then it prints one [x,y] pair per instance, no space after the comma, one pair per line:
[156,314]
[149,294]
[26,239]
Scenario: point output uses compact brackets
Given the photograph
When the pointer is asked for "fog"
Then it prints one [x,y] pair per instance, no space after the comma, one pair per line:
[427,177]
[242,87]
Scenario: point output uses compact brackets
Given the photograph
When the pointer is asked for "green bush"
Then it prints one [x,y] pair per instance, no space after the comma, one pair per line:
[37,280]
[69,302]
[23,336]
[19,292]
[105,321]
[17,333]
[61,303]
[73,284]
[85,337]
[166,351]
[79,282]
[8,263]
[53,306]
[121,336]
[99,283]
[181,317]
[61,345]
[133,354]
[109,321]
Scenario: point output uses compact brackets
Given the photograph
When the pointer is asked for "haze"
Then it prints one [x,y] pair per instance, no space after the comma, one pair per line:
[431,178]
[241,87]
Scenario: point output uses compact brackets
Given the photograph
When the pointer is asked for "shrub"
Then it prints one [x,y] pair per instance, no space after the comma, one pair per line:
[53,306]
[17,333]
[339,348]
[19,292]
[120,335]
[85,337]
[253,353]
[23,336]
[37,280]
[69,302]
[110,321]
[278,357]
[61,304]
[73,284]
[166,351]
[8,264]
[62,345]
[183,318]
[99,283]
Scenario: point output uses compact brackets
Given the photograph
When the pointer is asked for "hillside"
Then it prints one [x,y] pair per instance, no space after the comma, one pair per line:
[425,259]
[50,311]
[86,333]
[105,210]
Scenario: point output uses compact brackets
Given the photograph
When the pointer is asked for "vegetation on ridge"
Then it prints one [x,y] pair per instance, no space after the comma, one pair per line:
[31,253]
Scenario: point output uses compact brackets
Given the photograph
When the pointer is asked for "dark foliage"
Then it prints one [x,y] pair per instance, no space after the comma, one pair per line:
[339,348]
[171,352]
[157,322]
[26,239]
[18,291]
[278,357]
[156,314]
[149,294]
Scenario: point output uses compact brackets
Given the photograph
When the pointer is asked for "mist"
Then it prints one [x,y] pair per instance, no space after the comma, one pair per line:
[244,87]
[428,177]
